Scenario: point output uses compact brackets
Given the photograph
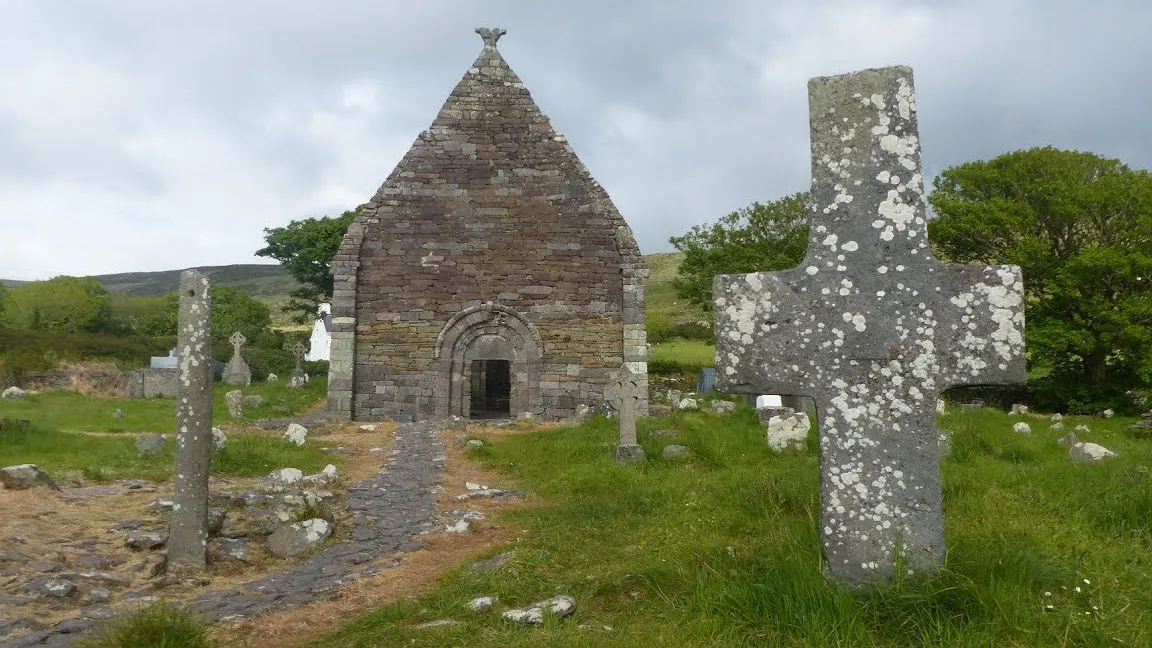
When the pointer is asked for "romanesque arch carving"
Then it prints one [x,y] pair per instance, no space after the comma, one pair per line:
[488,331]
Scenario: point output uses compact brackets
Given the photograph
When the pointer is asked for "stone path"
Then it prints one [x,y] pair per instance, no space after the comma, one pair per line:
[388,511]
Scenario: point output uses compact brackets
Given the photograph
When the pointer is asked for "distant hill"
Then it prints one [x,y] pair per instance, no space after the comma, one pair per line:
[259,280]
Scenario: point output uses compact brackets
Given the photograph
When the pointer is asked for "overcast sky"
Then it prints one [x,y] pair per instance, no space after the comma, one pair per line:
[156,135]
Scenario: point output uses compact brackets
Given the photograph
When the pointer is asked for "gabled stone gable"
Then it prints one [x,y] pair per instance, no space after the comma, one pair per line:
[489,237]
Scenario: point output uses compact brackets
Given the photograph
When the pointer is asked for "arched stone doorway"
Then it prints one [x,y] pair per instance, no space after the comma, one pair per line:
[489,362]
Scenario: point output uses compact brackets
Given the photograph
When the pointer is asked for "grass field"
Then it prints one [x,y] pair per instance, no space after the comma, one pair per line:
[71,412]
[685,356]
[75,458]
[722,550]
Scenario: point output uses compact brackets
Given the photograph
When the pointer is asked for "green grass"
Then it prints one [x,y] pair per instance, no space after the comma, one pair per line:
[69,411]
[660,297]
[156,626]
[681,356]
[69,456]
[723,550]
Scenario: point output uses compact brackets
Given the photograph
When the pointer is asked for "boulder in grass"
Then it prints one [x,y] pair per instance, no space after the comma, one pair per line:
[296,434]
[25,476]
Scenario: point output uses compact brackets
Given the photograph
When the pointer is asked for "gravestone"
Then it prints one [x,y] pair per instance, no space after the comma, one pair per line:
[624,394]
[236,372]
[298,378]
[871,326]
[188,537]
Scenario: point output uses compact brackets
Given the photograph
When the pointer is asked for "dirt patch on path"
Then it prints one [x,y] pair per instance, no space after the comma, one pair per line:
[418,570]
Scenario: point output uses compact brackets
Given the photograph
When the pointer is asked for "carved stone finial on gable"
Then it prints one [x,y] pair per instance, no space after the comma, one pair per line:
[490,35]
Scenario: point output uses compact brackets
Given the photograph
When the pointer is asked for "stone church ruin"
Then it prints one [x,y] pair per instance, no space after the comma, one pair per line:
[490,275]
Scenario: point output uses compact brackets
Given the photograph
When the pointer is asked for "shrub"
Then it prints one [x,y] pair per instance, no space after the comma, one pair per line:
[157,626]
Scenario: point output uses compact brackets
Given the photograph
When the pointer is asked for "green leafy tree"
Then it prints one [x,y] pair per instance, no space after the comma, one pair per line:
[760,237]
[232,310]
[1080,227]
[62,304]
[3,304]
[306,248]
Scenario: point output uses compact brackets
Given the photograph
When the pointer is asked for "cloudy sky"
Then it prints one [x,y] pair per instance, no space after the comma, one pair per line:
[146,135]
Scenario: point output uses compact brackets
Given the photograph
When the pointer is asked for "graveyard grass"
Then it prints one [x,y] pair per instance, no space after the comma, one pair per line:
[722,549]
[58,439]
[73,412]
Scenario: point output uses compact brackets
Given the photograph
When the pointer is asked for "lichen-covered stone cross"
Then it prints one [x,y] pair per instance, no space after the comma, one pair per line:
[624,394]
[299,350]
[871,326]
[238,340]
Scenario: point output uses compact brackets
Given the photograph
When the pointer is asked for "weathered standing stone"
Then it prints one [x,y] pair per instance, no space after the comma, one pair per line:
[255,400]
[624,394]
[235,401]
[289,540]
[872,327]
[788,431]
[219,439]
[1022,428]
[723,407]
[13,392]
[151,444]
[188,537]
[236,372]
[1068,440]
[296,434]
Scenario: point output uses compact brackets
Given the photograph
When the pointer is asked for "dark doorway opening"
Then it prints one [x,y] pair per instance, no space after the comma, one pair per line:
[491,389]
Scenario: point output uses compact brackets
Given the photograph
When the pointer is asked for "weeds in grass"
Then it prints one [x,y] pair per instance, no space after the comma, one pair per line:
[157,626]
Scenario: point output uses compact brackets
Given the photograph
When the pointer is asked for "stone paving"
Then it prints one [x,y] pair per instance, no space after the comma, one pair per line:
[388,511]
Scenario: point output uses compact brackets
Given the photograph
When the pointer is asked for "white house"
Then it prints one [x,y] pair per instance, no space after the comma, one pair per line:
[321,342]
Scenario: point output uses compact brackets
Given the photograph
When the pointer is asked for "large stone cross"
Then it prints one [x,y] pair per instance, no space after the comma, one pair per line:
[299,350]
[238,340]
[623,395]
[871,326]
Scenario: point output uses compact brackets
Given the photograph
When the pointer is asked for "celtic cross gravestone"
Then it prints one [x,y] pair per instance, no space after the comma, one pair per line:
[236,372]
[871,326]
[623,395]
[298,378]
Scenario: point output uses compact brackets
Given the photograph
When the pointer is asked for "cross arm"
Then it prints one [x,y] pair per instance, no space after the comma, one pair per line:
[980,328]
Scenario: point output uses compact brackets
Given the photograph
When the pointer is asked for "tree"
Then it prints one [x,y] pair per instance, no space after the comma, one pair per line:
[306,248]
[232,310]
[760,237]
[61,304]
[1080,227]
[3,304]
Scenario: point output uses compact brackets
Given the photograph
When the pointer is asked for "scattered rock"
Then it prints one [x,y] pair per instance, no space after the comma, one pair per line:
[125,525]
[945,437]
[629,454]
[472,486]
[219,439]
[13,557]
[490,493]
[296,435]
[582,412]
[675,451]
[216,517]
[162,504]
[369,427]
[144,540]
[255,400]
[12,392]
[525,417]
[767,412]
[670,434]
[1019,409]
[788,432]
[1056,426]
[232,548]
[43,567]
[481,603]
[1022,428]
[292,539]
[50,587]
[297,380]
[1088,453]
[558,606]
[327,476]
[8,627]
[118,414]
[438,623]
[25,476]
[281,408]
[98,596]
[1107,413]
[73,626]
[463,523]
[272,378]
[104,578]
[94,561]
[151,444]
[1068,440]
[1081,428]
[492,564]
[688,404]
[152,566]
[723,407]
[235,401]
[473,444]
[1056,418]
[278,480]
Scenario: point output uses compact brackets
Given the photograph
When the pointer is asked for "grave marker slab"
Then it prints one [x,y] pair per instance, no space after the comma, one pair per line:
[188,537]
[871,326]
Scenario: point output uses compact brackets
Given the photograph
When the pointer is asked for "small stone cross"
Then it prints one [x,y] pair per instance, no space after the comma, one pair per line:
[624,394]
[871,326]
[238,340]
[299,350]
[490,35]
